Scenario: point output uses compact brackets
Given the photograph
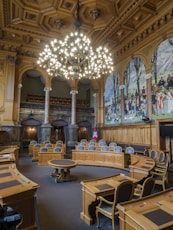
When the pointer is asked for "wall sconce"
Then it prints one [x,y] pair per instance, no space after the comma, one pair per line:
[31,129]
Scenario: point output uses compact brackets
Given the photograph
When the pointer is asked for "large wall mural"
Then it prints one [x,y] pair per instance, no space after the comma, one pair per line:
[135,91]
[112,100]
[162,81]
[134,99]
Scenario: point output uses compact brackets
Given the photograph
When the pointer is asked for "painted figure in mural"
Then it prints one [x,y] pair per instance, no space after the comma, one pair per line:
[161,82]
[169,81]
[169,99]
[160,95]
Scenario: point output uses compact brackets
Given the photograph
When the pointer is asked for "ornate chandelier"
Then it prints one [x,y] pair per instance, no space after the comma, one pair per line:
[74,57]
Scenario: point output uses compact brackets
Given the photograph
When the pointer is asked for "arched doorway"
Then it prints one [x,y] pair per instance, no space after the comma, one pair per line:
[59,131]
[30,131]
[84,130]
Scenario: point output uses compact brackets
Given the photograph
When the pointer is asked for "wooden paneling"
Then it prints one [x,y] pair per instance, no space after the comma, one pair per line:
[144,134]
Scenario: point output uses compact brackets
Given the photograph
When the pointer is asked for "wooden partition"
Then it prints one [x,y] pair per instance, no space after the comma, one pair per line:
[36,151]
[43,158]
[137,134]
[110,159]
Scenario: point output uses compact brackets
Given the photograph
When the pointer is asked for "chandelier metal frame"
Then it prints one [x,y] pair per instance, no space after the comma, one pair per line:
[74,57]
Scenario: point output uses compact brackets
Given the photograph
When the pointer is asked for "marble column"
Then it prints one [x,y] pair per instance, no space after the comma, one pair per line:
[73,127]
[73,107]
[95,95]
[46,127]
[18,102]
[47,104]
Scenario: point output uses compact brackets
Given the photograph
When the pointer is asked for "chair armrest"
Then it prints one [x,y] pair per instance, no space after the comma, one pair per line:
[102,199]
[157,174]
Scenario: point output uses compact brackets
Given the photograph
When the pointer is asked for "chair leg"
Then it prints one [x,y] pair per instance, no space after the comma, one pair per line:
[113,223]
[98,220]
[163,185]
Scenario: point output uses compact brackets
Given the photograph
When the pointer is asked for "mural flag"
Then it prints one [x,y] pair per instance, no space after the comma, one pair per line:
[95,135]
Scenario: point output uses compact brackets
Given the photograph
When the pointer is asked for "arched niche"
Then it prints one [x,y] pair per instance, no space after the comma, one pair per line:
[30,131]
[59,130]
[84,130]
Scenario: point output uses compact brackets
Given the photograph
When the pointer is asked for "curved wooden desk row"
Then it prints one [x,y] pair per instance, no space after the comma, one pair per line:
[140,167]
[153,212]
[11,149]
[7,158]
[110,159]
[18,192]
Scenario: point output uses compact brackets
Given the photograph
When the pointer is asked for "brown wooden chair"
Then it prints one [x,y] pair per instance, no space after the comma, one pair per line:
[160,172]
[144,189]
[123,192]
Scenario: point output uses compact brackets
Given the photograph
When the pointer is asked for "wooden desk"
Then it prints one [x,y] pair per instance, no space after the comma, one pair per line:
[140,166]
[18,192]
[99,187]
[154,212]
[10,149]
[64,166]
[7,158]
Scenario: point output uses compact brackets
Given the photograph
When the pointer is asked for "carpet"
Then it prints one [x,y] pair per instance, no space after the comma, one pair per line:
[58,205]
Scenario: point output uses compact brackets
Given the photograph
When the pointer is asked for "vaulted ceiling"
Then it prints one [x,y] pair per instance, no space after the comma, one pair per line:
[26,25]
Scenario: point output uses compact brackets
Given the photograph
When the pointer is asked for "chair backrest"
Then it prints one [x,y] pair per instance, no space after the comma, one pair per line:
[43,150]
[33,142]
[161,156]
[153,154]
[92,144]
[118,149]
[46,142]
[129,150]
[49,145]
[102,144]
[59,142]
[37,146]
[147,186]
[91,147]
[83,140]
[57,149]
[124,192]
[101,140]
[105,148]
[92,141]
[112,144]
[80,147]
